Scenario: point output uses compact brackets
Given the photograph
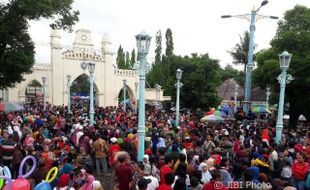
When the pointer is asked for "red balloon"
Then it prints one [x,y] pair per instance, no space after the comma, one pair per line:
[19,184]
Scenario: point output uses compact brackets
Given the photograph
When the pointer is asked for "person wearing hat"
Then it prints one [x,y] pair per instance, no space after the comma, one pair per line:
[153,181]
[114,147]
[143,184]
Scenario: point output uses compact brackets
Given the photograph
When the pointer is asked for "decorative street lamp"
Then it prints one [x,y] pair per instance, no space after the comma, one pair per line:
[44,95]
[268,93]
[124,91]
[91,69]
[178,85]
[157,88]
[236,95]
[249,67]
[136,96]
[283,78]
[69,93]
[143,45]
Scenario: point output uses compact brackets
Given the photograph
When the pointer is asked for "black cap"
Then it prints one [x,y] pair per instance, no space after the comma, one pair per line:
[142,183]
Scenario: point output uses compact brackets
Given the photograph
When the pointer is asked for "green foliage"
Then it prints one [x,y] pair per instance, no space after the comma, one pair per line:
[229,72]
[293,35]
[200,79]
[80,85]
[16,46]
[169,43]
[132,58]
[128,64]
[240,51]
[124,60]
[120,59]
[159,48]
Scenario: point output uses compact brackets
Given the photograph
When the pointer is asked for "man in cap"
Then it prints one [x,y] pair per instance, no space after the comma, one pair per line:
[153,184]
[143,183]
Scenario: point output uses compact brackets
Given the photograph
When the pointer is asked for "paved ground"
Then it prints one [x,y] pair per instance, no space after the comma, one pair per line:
[106,182]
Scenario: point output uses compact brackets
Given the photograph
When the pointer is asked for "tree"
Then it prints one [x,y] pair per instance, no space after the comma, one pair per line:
[80,85]
[133,58]
[200,78]
[120,59]
[293,35]
[229,72]
[158,47]
[128,64]
[16,46]
[240,51]
[169,43]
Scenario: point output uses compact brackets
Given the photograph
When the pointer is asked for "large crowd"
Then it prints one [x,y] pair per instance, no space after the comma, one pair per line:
[239,153]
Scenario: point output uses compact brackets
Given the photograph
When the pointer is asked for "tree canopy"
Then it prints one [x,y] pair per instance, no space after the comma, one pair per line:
[16,46]
[293,35]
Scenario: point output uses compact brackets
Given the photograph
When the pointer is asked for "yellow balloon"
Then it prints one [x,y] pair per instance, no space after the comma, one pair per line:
[48,178]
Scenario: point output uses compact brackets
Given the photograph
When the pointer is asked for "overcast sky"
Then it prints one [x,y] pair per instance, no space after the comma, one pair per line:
[196,25]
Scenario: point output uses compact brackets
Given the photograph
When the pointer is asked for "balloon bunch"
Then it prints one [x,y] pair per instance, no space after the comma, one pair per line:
[6,174]
[20,183]
[45,184]
[29,119]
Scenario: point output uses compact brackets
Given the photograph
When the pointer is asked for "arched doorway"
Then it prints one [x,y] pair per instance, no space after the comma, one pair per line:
[129,97]
[34,92]
[80,91]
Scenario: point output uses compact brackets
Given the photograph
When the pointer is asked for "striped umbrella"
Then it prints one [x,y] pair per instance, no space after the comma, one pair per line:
[212,118]
[260,109]
[220,113]
[10,107]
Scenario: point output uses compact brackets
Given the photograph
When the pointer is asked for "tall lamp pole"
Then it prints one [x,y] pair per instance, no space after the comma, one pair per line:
[69,93]
[91,69]
[283,78]
[136,96]
[124,92]
[157,88]
[178,85]
[268,93]
[44,95]
[143,44]
[236,95]
[249,66]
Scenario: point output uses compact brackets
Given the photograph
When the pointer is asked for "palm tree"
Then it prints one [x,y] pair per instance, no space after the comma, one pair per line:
[240,51]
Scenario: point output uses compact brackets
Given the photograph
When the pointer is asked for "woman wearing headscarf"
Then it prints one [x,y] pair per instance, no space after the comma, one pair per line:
[89,183]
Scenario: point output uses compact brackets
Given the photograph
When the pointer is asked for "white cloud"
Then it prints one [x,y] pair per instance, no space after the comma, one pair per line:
[196,25]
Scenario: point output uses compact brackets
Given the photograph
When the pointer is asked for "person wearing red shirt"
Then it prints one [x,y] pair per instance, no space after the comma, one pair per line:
[166,168]
[124,173]
[215,183]
[169,179]
[113,149]
[300,170]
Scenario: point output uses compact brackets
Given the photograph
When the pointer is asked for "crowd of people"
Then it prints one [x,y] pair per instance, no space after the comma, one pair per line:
[235,154]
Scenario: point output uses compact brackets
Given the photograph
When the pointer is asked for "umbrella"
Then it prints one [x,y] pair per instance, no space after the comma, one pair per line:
[10,107]
[260,109]
[220,113]
[212,118]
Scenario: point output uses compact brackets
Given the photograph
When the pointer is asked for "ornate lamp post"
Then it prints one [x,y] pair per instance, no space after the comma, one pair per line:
[124,91]
[69,93]
[283,78]
[268,93]
[143,44]
[136,96]
[44,95]
[236,95]
[178,85]
[249,67]
[91,69]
